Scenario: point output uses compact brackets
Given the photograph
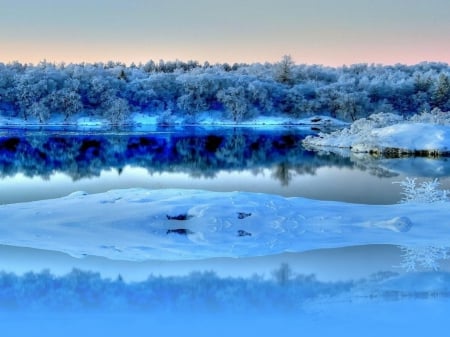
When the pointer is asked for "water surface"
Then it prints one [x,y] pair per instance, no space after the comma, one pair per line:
[38,165]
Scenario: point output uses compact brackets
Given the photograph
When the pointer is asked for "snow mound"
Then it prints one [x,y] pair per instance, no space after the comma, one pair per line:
[387,134]
[172,224]
[77,194]
[397,224]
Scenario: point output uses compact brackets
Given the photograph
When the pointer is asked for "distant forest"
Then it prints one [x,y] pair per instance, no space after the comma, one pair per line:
[114,91]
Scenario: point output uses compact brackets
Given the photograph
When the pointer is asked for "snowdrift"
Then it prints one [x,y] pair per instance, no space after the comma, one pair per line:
[389,135]
[172,224]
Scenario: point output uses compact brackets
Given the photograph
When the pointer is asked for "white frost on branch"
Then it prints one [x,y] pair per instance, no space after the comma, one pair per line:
[425,192]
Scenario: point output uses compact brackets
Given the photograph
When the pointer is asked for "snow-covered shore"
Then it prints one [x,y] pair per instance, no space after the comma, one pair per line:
[389,135]
[172,224]
[151,120]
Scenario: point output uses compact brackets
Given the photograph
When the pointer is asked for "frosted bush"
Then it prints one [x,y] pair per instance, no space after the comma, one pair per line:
[426,192]
[378,120]
[361,128]
[383,119]
[364,126]
[435,116]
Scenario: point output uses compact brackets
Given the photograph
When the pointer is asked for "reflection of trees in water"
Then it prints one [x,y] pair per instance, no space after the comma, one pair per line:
[200,155]
[284,290]
[374,169]
[233,151]
[282,172]
[361,161]
[285,171]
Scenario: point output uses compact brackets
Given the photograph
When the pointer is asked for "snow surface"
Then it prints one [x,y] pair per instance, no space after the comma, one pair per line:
[381,132]
[133,224]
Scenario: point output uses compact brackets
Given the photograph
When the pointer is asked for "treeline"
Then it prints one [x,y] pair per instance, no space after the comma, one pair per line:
[114,91]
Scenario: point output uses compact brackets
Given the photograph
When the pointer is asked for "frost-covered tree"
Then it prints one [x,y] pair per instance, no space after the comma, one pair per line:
[31,88]
[284,70]
[235,101]
[441,94]
[140,93]
[301,99]
[261,96]
[39,110]
[425,192]
[198,91]
[435,116]
[65,101]
[118,111]
[101,92]
[351,106]
[186,88]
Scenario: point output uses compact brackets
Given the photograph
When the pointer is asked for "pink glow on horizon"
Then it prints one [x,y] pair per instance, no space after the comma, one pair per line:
[324,32]
[333,54]
[327,57]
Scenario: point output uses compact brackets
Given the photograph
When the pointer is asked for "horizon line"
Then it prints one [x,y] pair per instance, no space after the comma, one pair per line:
[203,63]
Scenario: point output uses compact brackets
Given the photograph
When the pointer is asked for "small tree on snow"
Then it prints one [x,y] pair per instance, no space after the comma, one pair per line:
[426,192]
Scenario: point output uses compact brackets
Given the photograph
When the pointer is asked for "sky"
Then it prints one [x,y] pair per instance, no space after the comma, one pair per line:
[328,32]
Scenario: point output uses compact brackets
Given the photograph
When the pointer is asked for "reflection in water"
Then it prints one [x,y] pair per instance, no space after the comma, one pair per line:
[328,265]
[37,166]
[200,154]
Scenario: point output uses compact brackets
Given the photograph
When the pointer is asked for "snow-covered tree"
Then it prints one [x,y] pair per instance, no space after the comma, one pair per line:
[65,101]
[39,110]
[284,70]
[118,111]
[235,101]
[187,87]
[441,94]
[426,192]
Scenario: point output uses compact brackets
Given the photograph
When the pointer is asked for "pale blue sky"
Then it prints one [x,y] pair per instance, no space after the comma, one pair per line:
[311,31]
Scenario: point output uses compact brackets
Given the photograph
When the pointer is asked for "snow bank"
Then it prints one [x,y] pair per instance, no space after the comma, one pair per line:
[138,224]
[388,134]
